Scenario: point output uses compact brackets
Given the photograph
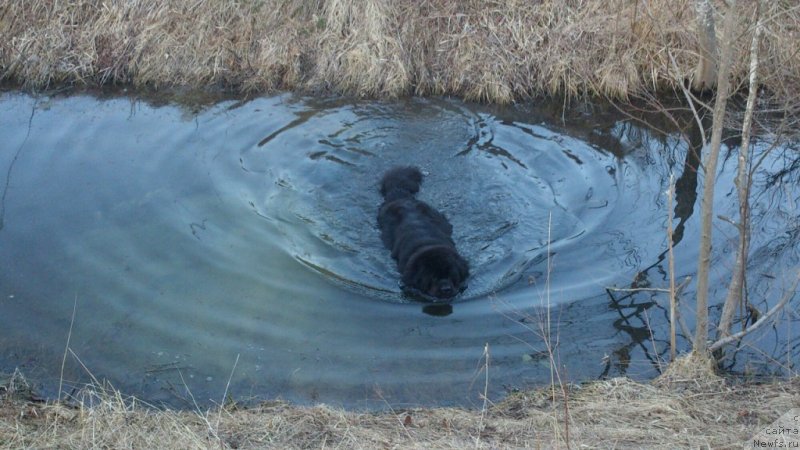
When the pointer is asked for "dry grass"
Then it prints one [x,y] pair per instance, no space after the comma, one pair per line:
[496,50]
[617,413]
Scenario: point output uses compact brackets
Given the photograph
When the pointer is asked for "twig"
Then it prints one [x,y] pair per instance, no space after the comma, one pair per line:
[653,341]
[678,290]
[673,352]
[678,317]
[204,417]
[613,289]
[485,394]
[760,322]
[225,394]
[689,99]
[394,413]
[89,372]
[21,59]
[66,347]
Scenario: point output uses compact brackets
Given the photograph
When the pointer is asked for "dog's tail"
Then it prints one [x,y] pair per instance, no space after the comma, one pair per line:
[400,182]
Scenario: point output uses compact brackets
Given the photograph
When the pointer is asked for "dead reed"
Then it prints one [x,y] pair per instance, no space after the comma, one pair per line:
[616,413]
[495,51]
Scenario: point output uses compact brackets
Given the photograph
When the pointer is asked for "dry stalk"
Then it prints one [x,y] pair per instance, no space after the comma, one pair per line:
[495,51]
[673,345]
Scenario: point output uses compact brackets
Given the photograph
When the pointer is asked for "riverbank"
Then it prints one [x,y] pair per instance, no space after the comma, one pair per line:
[495,51]
[676,411]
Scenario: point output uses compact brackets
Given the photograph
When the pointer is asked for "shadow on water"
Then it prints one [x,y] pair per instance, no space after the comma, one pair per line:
[231,246]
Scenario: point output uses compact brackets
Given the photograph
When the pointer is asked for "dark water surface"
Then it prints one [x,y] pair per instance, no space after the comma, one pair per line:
[236,244]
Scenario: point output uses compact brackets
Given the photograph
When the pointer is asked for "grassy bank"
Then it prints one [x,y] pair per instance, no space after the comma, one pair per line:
[699,412]
[482,50]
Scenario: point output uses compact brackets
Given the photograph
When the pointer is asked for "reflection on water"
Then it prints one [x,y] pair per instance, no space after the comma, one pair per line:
[240,243]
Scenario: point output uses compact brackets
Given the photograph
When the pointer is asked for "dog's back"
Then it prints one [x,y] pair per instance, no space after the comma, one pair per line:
[401,213]
[419,237]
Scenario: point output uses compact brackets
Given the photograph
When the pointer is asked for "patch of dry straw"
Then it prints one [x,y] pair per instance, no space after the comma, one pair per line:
[604,414]
[495,50]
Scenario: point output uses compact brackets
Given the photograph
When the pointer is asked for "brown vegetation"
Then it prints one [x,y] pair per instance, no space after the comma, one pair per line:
[678,411]
[496,51]
[482,50]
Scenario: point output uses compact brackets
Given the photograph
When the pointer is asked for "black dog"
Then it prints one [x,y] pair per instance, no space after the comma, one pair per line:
[419,238]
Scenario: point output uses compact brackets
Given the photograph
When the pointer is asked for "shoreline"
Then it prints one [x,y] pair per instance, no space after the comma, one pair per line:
[678,410]
[500,54]
[492,52]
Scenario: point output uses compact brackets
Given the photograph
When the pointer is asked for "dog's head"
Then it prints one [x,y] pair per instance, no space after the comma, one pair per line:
[437,273]
[400,182]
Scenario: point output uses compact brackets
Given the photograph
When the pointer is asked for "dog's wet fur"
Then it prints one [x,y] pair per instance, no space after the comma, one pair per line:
[420,239]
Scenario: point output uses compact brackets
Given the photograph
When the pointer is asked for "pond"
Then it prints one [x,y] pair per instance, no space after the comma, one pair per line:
[231,247]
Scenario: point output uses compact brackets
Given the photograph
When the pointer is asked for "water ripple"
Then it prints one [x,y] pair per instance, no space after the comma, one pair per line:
[248,231]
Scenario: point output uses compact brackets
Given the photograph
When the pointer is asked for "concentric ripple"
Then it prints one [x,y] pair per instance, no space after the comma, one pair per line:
[236,249]
[509,188]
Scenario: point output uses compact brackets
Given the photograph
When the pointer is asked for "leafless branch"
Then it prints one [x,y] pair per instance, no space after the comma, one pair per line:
[790,293]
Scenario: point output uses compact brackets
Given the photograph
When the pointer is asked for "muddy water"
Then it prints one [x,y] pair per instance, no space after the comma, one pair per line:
[233,248]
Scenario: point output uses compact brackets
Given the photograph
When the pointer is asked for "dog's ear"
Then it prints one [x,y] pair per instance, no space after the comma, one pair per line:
[410,277]
[409,284]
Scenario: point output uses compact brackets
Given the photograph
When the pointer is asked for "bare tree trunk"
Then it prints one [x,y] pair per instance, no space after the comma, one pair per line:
[705,75]
[710,166]
[737,285]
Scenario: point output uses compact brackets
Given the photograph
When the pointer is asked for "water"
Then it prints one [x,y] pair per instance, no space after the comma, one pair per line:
[233,248]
